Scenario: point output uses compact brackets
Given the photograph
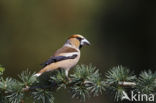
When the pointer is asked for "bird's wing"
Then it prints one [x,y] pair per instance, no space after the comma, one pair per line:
[63,53]
[58,58]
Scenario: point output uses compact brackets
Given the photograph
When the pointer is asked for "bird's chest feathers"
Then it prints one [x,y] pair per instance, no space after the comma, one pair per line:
[67,64]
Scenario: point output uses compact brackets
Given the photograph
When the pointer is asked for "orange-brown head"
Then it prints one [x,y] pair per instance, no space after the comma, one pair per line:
[78,41]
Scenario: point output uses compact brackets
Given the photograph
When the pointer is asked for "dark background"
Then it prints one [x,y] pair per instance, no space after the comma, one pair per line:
[122,32]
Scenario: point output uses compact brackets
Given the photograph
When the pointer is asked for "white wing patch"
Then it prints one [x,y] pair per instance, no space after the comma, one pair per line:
[68,54]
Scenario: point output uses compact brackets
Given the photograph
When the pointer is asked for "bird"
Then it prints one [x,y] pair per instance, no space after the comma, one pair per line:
[66,57]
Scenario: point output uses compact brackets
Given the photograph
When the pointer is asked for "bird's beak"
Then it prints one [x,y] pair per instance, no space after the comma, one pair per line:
[85,42]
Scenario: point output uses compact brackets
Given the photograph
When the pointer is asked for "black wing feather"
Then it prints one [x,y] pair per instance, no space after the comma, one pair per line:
[58,58]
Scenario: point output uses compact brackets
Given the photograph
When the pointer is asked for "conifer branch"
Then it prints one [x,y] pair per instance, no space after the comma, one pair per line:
[85,81]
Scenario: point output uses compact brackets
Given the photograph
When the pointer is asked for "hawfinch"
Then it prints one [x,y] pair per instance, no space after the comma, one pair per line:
[67,56]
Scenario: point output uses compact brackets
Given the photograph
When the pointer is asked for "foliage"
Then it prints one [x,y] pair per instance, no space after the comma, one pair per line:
[146,82]
[1,70]
[84,82]
[116,75]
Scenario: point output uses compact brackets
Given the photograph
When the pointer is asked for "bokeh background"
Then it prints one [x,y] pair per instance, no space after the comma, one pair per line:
[122,32]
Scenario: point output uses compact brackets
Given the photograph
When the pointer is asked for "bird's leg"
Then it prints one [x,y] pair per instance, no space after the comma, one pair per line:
[66,73]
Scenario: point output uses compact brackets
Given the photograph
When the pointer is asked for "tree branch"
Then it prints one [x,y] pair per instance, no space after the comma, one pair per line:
[127,83]
[85,81]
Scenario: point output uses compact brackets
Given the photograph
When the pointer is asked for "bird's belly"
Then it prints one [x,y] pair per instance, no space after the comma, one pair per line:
[67,64]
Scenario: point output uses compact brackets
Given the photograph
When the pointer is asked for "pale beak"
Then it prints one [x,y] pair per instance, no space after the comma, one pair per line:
[85,42]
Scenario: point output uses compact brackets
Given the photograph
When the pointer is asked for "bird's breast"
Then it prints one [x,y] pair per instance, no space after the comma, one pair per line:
[67,64]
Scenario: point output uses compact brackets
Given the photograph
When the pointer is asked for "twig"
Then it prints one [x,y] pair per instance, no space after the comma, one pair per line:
[124,83]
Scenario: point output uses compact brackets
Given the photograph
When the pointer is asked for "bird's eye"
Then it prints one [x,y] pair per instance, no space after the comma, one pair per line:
[80,38]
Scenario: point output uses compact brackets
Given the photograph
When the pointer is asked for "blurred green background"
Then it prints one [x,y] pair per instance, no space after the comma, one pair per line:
[122,32]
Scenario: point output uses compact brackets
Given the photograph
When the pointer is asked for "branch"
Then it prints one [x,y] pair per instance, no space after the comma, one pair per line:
[85,81]
[126,83]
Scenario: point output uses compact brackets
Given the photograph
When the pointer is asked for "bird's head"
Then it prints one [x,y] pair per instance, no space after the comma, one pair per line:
[78,41]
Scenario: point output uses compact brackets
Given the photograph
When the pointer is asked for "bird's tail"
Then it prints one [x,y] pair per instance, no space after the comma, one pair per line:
[46,69]
[37,74]
[40,72]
